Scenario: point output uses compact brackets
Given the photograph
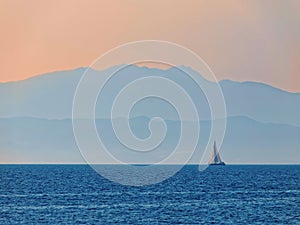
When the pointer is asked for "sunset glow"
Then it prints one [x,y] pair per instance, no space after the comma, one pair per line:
[240,40]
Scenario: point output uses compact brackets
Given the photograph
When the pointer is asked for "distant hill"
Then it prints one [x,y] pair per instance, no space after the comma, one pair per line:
[263,123]
[52,141]
[51,95]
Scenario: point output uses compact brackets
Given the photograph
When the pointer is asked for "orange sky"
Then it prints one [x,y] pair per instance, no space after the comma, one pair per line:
[240,40]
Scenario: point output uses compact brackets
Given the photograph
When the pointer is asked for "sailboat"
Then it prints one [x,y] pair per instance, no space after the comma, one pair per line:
[215,158]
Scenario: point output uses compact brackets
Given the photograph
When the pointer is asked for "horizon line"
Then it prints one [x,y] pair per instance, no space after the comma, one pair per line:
[145,164]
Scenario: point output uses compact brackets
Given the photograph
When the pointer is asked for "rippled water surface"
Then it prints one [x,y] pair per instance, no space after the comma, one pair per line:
[75,194]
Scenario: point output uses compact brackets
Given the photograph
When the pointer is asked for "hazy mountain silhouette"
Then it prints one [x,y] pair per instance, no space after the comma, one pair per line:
[51,95]
[263,124]
[52,141]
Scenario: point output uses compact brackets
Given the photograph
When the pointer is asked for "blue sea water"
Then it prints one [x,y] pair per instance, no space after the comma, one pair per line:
[76,194]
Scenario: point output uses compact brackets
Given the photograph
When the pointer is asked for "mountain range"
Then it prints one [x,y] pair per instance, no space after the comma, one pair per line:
[263,124]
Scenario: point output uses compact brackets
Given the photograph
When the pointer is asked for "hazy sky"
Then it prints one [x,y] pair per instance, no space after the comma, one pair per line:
[240,40]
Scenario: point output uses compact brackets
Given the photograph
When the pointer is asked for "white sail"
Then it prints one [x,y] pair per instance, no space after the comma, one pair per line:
[215,158]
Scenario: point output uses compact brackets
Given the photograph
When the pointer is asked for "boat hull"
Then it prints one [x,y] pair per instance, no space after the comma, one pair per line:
[217,164]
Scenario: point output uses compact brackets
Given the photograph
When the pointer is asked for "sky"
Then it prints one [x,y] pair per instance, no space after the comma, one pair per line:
[240,40]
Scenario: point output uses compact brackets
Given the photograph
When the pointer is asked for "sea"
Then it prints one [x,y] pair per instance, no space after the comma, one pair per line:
[76,194]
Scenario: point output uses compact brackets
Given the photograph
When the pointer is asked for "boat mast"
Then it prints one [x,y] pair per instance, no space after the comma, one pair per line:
[212,158]
[215,153]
